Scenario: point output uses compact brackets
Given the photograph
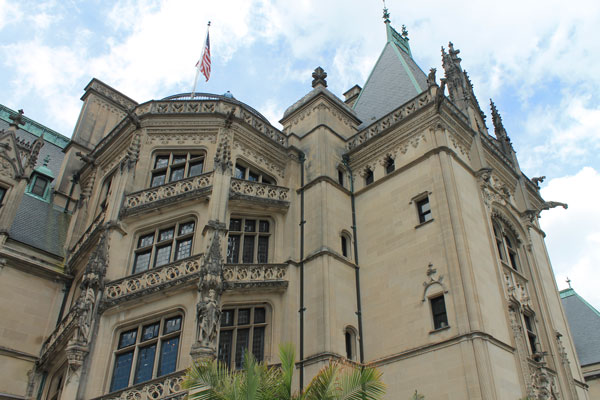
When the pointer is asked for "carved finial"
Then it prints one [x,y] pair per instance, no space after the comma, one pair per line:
[453,53]
[431,77]
[496,118]
[17,119]
[319,77]
[386,14]
[569,283]
[404,32]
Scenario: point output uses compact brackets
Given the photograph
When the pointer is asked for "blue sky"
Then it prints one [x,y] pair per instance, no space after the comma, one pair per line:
[537,60]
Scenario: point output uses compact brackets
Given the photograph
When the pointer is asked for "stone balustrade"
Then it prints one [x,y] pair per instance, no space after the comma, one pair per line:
[259,275]
[149,198]
[140,284]
[260,190]
[84,239]
[60,334]
[164,387]
[516,285]
[390,119]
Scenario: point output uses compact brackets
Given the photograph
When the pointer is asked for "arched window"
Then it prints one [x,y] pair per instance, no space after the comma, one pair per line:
[350,343]
[346,244]
[506,245]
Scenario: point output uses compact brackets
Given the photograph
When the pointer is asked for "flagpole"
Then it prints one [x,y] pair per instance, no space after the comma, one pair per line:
[198,66]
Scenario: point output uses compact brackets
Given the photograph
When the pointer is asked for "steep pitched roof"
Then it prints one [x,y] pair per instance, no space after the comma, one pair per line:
[395,79]
[584,321]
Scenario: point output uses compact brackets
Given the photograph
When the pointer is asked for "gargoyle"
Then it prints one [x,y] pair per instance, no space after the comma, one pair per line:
[552,204]
[537,180]
[85,158]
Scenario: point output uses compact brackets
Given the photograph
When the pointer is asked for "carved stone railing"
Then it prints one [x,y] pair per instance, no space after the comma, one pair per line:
[516,285]
[390,119]
[153,280]
[84,239]
[259,190]
[150,198]
[255,275]
[165,387]
[60,335]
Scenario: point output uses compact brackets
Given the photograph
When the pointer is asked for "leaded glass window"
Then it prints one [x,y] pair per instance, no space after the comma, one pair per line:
[242,329]
[173,167]
[146,352]
[248,238]
[163,246]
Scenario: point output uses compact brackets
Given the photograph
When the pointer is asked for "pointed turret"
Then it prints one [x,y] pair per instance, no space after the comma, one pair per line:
[460,88]
[395,79]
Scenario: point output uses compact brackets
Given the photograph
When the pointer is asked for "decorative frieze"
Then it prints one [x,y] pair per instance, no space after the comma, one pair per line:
[390,119]
[151,281]
[166,387]
[175,106]
[261,190]
[168,192]
[168,137]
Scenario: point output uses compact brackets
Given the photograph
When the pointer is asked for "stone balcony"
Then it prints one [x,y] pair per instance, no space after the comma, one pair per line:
[60,335]
[278,196]
[134,286]
[86,238]
[249,276]
[188,271]
[164,387]
[149,199]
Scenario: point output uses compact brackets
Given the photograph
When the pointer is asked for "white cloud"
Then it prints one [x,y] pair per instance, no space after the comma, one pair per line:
[573,235]
[10,13]
[563,134]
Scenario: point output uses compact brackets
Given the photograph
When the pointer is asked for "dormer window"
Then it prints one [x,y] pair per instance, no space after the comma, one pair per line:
[39,185]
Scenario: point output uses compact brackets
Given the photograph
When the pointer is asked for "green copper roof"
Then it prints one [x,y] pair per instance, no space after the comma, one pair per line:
[35,128]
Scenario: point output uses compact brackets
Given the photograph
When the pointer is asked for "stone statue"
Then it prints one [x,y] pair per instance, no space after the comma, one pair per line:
[431,77]
[537,180]
[209,315]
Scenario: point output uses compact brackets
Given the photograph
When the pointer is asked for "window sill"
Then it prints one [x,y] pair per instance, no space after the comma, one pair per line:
[424,223]
[439,329]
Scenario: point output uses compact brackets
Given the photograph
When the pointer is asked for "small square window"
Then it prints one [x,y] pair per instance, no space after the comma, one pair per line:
[39,186]
[424,210]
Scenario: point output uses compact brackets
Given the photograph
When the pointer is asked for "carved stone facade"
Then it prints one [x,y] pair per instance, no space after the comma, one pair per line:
[196,229]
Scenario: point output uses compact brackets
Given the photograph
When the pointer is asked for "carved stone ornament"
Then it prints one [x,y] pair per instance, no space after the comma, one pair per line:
[319,77]
[208,313]
[431,77]
[223,154]
[514,315]
[493,189]
[432,281]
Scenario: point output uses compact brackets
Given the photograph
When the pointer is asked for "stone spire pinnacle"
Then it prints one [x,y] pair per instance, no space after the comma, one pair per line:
[16,120]
[499,130]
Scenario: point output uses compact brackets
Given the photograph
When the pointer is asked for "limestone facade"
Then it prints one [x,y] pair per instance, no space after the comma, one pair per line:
[409,241]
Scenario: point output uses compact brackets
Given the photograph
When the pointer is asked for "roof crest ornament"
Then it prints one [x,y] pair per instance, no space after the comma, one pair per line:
[386,14]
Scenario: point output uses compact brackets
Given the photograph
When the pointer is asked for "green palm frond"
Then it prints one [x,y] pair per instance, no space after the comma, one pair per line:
[323,386]
[361,384]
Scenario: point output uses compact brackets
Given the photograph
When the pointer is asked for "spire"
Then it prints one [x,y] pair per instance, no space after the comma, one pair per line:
[499,130]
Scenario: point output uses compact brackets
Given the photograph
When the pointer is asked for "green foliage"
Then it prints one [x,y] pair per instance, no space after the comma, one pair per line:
[212,380]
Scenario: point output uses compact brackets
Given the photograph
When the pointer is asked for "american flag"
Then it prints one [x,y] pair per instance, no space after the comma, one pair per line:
[203,64]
